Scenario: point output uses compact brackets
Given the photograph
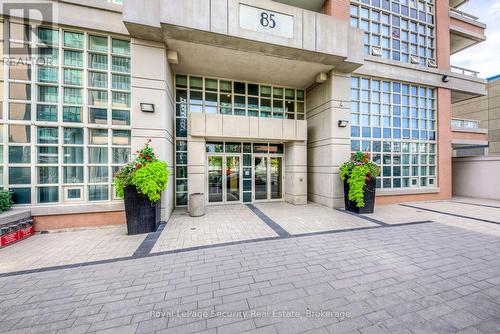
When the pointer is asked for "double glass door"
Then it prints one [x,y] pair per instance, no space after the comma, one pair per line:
[268,179]
[224,184]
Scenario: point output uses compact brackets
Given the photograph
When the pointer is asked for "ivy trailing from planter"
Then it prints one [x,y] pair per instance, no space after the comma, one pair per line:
[358,170]
[148,174]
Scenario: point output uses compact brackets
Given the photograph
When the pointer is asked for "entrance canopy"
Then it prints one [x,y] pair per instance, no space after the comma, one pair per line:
[252,40]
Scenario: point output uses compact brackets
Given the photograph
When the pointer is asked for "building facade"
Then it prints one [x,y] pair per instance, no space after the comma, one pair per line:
[246,100]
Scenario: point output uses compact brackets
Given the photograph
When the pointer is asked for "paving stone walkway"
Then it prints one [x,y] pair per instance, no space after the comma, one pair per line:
[421,278]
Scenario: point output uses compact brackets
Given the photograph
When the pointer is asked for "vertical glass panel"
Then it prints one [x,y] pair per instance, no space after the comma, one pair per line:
[120,81]
[73,77]
[73,95]
[98,116]
[20,71]
[98,155]
[215,179]
[276,177]
[98,193]
[20,111]
[47,113]
[121,100]
[98,79]
[47,94]
[21,195]
[73,40]
[121,137]
[19,154]
[232,179]
[98,61]
[48,74]
[72,114]
[47,175]
[121,155]
[47,154]
[73,58]
[19,91]
[19,134]
[48,36]
[120,46]
[120,64]
[98,98]
[260,181]
[120,117]
[98,43]
[98,136]
[48,56]
[19,31]
[73,174]
[47,135]
[98,174]
[73,155]
[47,194]
[19,175]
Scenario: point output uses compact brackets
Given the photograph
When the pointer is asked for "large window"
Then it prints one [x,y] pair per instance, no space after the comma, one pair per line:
[400,30]
[396,123]
[67,127]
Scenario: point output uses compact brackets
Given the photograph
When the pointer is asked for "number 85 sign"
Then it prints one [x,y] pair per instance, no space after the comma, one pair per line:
[266,21]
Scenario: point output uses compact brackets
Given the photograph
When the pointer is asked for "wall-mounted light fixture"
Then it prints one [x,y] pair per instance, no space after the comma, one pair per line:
[343,123]
[147,107]
[445,78]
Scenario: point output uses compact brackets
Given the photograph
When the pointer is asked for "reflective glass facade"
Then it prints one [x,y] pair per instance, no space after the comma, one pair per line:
[67,125]
[396,123]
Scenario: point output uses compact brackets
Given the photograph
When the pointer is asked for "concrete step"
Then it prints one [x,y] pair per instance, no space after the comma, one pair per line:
[13,215]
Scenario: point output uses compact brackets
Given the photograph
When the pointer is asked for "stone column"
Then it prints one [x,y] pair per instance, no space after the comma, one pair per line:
[296,172]
[152,82]
[196,164]
[328,145]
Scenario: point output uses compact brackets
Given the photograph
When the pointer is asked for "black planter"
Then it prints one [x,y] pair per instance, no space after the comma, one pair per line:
[369,195]
[142,215]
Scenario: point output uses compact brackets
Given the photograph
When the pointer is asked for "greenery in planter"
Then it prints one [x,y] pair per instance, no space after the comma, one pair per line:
[5,200]
[358,170]
[147,173]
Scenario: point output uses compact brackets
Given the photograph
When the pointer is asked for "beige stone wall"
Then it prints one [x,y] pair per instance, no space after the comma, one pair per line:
[328,145]
[476,177]
[152,82]
[485,109]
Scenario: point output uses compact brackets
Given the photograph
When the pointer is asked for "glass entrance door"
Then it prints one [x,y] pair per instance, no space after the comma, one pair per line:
[268,181]
[224,184]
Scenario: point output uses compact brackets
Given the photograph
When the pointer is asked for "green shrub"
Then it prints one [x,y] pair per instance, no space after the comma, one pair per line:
[5,200]
[357,171]
[146,173]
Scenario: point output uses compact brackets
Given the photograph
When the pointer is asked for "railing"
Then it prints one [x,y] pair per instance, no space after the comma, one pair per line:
[464,15]
[464,71]
[464,123]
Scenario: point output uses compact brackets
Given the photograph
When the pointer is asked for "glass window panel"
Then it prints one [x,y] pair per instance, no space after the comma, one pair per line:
[73,155]
[20,71]
[73,95]
[120,117]
[19,31]
[121,100]
[98,155]
[21,195]
[20,111]
[120,64]
[98,61]
[48,74]
[196,83]
[98,136]
[47,175]
[19,175]
[48,56]
[120,46]
[120,81]
[19,134]
[98,98]
[47,135]
[214,147]
[19,91]
[98,193]
[98,116]
[20,49]
[47,194]
[73,174]
[48,36]
[47,113]
[73,77]
[73,40]
[121,155]
[98,79]
[98,43]
[47,154]
[98,174]
[47,94]
[121,137]
[19,154]
[73,58]
[72,114]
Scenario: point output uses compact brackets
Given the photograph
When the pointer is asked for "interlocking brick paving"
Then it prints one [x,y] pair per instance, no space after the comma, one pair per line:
[427,278]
